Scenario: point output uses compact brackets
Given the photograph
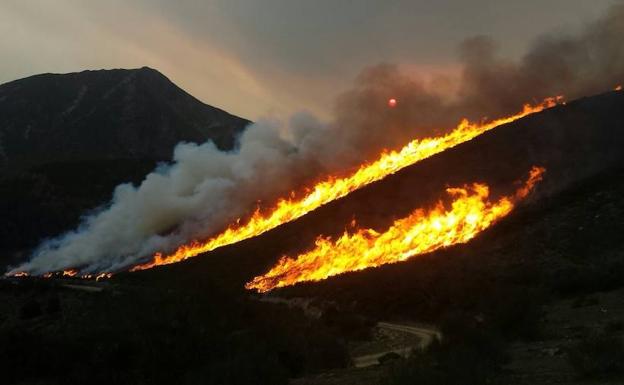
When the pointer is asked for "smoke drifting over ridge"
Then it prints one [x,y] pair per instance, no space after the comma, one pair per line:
[589,62]
[205,189]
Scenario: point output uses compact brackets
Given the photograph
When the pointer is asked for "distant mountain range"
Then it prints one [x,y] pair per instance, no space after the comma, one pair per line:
[67,140]
[106,114]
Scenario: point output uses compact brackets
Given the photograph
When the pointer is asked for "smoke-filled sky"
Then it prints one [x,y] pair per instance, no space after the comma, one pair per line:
[270,57]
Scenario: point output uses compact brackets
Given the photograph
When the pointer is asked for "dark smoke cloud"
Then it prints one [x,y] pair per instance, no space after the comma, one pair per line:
[587,63]
[204,189]
[573,65]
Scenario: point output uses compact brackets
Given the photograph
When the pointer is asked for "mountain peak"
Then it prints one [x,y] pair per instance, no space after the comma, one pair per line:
[104,114]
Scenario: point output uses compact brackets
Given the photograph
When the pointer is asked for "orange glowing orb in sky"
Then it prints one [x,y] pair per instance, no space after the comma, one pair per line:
[392,103]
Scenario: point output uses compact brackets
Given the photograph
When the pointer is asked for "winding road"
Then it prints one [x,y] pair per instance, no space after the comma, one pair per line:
[426,334]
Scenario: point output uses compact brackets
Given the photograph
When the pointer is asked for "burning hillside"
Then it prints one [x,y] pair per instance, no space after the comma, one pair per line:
[490,158]
[203,191]
[423,231]
[333,188]
[422,220]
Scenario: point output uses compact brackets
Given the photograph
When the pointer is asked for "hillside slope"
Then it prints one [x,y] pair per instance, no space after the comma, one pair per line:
[573,142]
[106,114]
[67,140]
[545,277]
[516,304]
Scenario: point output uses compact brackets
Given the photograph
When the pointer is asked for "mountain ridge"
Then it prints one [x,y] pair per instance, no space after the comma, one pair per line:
[104,114]
[66,141]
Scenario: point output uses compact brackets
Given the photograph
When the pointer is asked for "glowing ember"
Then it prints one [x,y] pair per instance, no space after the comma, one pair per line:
[332,188]
[421,232]
[392,103]
[97,277]
[102,276]
[71,273]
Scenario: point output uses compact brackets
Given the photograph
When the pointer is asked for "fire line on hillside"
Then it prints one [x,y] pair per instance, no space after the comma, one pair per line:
[423,231]
[287,210]
[332,188]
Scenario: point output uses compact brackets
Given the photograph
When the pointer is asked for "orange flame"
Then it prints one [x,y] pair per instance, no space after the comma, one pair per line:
[70,273]
[98,277]
[421,232]
[332,188]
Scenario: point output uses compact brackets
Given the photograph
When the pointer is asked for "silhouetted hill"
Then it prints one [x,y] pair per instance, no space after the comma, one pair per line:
[67,140]
[106,114]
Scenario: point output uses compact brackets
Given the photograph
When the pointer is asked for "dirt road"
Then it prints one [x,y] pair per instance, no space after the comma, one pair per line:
[426,335]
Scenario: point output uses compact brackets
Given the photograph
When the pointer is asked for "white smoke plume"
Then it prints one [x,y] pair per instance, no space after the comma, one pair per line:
[203,189]
[194,196]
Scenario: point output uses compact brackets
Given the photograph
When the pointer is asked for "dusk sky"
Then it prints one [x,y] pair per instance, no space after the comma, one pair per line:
[270,57]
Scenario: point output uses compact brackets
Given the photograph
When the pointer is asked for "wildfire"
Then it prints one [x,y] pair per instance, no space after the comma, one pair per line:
[97,277]
[421,232]
[332,188]
[71,273]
